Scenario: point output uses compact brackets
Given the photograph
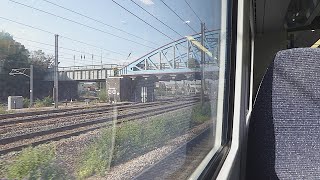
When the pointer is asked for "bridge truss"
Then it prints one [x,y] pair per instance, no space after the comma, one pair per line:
[181,56]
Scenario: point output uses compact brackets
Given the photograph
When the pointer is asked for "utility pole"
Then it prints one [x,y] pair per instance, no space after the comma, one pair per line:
[56,75]
[101,57]
[202,63]
[31,86]
[92,60]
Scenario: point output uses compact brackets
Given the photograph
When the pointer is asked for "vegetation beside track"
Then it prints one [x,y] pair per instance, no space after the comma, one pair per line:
[3,109]
[96,158]
[45,102]
[200,113]
[34,163]
[131,139]
[135,138]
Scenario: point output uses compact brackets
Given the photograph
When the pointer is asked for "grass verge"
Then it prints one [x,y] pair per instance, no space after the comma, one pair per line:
[131,140]
[201,113]
[34,163]
[3,109]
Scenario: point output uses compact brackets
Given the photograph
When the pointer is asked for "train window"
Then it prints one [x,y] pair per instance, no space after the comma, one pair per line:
[115,89]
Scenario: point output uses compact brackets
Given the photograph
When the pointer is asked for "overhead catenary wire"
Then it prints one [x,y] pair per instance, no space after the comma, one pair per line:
[84,25]
[97,47]
[98,21]
[78,61]
[142,20]
[62,36]
[33,27]
[193,11]
[87,53]
[70,49]
[42,48]
[156,18]
[47,44]
[64,53]
[177,15]
[81,61]
[70,61]
[64,48]
[159,20]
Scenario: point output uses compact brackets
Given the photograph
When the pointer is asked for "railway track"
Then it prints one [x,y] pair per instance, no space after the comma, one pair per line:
[76,110]
[79,125]
[54,111]
[11,122]
[38,115]
[180,163]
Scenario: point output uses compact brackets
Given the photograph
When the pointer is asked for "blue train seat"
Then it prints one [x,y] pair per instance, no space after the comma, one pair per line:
[284,131]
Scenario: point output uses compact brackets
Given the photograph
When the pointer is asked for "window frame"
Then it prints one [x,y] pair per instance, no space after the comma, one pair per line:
[212,169]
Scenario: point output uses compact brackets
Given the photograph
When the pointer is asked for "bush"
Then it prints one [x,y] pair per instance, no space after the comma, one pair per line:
[45,102]
[135,138]
[38,103]
[96,158]
[201,113]
[26,102]
[3,109]
[35,163]
[102,95]
[131,140]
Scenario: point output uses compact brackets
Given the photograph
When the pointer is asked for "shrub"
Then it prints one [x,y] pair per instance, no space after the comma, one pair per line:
[3,109]
[38,103]
[35,163]
[26,102]
[134,138]
[96,158]
[201,113]
[131,140]
[52,171]
[45,102]
[102,95]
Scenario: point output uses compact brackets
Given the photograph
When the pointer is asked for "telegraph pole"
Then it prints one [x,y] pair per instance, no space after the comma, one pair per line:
[31,86]
[202,64]
[101,58]
[92,60]
[56,75]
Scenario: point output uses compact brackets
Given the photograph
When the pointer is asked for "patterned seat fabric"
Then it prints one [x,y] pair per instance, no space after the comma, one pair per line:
[284,132]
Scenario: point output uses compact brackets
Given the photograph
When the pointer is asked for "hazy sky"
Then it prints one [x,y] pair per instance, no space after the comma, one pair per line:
[109,13]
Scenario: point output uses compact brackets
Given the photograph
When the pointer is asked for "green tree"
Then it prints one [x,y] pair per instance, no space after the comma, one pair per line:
[41,63]
[13,55]
[14,85]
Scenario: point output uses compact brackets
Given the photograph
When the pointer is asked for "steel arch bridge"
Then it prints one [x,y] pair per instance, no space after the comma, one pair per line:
[181,56]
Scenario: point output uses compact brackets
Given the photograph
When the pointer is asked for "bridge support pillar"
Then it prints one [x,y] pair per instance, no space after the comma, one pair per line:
[118,89]
[143,89]
[137,89]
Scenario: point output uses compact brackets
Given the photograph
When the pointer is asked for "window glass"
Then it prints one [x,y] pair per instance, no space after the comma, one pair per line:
[116,89]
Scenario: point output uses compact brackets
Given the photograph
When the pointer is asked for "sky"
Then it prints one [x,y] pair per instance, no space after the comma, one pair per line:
[118,33]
